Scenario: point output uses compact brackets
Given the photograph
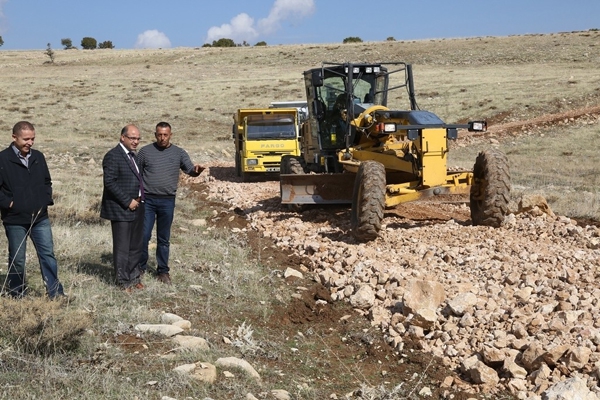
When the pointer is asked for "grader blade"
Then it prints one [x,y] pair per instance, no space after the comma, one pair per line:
[317,189]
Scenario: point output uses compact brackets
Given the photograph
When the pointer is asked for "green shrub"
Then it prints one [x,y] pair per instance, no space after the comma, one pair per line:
[262,43]
[223,42]
[391,39]
[353,39]
[107,44]
[88,43]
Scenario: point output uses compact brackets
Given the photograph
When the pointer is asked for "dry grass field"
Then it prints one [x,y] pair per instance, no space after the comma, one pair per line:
[540,94]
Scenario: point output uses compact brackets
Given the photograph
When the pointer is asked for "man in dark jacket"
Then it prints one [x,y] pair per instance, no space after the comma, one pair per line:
[123,205]
[25,194]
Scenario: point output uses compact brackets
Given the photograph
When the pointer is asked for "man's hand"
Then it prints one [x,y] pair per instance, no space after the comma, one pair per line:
[198,169]
[133,205]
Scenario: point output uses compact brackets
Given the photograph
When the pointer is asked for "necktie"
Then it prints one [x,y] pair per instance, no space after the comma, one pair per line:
[137,174]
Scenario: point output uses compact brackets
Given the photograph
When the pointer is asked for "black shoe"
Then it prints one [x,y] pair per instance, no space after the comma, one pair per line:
[19,293]
[63,298]
[164,278]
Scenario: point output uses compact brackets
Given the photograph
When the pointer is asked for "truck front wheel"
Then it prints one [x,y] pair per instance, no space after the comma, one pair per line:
[238,166]
[368,201]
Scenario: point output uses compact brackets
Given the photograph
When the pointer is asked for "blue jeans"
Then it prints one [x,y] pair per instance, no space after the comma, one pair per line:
[41,236]
[160,211]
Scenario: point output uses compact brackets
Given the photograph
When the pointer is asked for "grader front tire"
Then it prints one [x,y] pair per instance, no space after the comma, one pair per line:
[368,201]
[291,165]
[490,192]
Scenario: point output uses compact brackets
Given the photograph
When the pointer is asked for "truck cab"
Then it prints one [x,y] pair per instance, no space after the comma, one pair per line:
[262,137]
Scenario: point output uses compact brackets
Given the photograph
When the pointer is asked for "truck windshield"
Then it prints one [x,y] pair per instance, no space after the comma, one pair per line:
[260,127]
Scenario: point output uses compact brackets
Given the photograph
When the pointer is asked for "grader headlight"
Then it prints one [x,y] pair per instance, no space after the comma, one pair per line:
[355,70]
[389,127]
[477,126]
[385,127]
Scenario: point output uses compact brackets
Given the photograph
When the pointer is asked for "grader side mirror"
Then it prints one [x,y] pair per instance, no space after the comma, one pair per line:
[317,78]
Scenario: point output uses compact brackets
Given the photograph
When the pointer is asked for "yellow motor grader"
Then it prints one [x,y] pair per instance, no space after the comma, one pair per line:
[355,150]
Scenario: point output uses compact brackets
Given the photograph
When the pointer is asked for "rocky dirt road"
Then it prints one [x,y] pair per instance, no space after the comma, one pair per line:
[510,308]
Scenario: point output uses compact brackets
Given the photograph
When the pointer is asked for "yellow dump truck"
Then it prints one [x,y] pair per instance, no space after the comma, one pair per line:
[262,136]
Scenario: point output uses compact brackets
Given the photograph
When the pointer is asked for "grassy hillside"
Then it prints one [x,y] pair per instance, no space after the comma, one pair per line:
[79,104]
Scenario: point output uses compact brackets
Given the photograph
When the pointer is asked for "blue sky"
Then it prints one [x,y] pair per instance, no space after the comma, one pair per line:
[31,24]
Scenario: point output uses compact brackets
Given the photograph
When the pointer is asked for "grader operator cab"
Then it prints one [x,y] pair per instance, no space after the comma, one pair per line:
[355,150]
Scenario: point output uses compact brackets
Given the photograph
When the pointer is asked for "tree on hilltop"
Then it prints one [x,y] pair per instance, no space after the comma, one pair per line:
[353,39]
[50,53]
[67,43]
[107,44]
[89,43]
[223,42]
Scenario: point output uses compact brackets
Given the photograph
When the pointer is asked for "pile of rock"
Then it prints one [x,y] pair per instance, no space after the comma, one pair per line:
[514,307]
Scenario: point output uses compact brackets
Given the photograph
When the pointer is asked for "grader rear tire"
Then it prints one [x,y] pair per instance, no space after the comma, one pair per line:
[368,201]
[490,192]
[292,165]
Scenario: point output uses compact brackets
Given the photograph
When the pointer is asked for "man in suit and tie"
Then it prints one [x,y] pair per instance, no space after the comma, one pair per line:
[123,205]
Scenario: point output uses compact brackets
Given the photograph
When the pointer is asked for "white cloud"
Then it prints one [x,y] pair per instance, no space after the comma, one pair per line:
[242,27]
[152,39]
[285,9]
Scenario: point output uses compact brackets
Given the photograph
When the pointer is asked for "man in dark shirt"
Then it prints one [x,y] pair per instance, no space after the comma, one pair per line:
[161,162]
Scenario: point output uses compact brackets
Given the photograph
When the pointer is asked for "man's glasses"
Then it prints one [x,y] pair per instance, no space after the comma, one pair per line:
[133,139]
